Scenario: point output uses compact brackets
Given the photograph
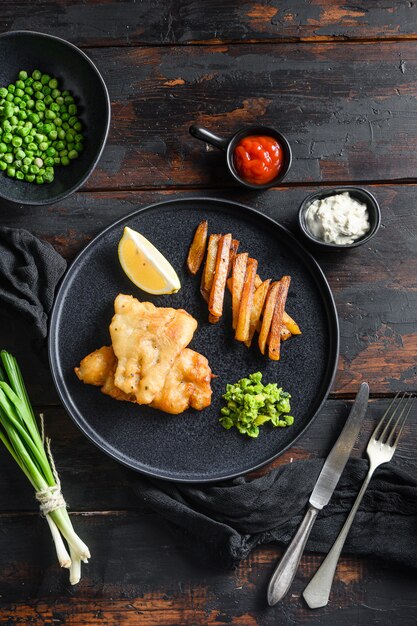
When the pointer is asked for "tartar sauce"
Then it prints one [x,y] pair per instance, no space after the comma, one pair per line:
[337,219]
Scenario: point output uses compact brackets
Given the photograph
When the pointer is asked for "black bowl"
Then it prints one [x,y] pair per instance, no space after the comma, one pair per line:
[228,144]
[374,213]
[27,50]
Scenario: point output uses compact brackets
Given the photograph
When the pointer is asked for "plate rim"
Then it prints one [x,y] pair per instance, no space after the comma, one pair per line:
[332,324]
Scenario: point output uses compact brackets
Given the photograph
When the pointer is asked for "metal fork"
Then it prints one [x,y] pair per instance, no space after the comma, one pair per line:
[381,448]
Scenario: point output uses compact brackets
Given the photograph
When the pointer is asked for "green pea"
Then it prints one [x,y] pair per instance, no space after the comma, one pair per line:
[3,166]
[65,160]
[37,85]
[40,106]
[47,91]
[19,92]
[8,157]
[48,177]
[11,171]
[54,107]
[65,126]
[25,169]
[30,104]
[43,146]
[29,91]
[53,135]
[16,142]
[58,121]
[50,115]
[30,178]
[27,161]
[39,180]
[60,100]
[11,88]
[53,83]
[3,92]
[55,93]
[20,154]
[45,79]
[38,95]
[77,126]
[36,74]
[17,164]
[49,102]
[72,154]
[20,175]
[49,161]
[23,75]
[9,97]
[7,137]
[33,169]
[72,109]
[3,148]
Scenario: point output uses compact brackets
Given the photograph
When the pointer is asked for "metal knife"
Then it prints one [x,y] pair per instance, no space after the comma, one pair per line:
[326,483]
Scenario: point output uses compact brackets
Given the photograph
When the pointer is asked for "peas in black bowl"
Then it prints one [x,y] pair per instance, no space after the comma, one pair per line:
[54,117]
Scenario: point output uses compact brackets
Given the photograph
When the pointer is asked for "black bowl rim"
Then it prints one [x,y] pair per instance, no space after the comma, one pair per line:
[96,159]
[248,130]
[370,200]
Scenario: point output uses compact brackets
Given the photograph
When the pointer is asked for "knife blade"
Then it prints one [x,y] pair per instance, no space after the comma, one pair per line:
[325,485]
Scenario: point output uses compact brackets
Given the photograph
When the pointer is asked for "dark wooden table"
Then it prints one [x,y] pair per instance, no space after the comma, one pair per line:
[340,80]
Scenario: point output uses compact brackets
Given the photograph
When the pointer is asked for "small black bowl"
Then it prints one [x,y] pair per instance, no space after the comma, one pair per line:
[229,144]
[374,213]
[27,50]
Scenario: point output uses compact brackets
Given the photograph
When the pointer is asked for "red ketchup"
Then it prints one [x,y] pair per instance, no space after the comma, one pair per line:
[258,159]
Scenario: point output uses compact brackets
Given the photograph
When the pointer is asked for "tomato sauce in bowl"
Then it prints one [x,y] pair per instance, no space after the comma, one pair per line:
[258,159]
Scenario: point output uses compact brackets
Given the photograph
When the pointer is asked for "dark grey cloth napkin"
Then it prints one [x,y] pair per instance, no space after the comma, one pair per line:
[29,272]
[222,523]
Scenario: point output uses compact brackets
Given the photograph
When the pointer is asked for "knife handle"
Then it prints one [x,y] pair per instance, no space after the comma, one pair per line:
[287,567]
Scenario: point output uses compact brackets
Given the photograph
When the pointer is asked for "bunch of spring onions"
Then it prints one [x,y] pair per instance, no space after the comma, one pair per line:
[20,434]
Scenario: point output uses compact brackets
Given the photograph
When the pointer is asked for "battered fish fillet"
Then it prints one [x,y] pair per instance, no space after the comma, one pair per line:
[148,362]
[146,341]
[187,383]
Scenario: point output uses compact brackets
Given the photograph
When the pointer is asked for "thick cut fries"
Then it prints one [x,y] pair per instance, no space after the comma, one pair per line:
[267,316]
[292,325]
[285,333]
[275,336]
[198,248]
[220,275]
[233,252]
[257,306]
[246,302]
[238,276]
[210,266]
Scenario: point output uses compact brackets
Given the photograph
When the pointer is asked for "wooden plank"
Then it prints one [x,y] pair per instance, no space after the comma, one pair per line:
[347,110]
[92,481]
[165,22]
[375,286]
[140,574]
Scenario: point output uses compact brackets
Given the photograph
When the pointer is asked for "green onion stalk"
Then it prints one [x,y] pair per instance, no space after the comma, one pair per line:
[20,434]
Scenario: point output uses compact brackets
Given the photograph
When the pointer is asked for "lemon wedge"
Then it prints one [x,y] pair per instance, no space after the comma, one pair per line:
[145,266]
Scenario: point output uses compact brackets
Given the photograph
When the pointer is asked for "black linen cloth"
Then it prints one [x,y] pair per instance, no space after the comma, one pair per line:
[29,272]
[222,523]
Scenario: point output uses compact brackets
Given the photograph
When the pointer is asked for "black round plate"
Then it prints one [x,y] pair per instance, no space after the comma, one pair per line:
[193,447]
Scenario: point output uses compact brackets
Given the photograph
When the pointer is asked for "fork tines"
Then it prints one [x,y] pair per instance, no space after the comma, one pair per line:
[400,408]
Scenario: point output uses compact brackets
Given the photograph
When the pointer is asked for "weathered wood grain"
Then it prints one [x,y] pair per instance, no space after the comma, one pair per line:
[375,286]
[166,22]
[348,110]
[140,575]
